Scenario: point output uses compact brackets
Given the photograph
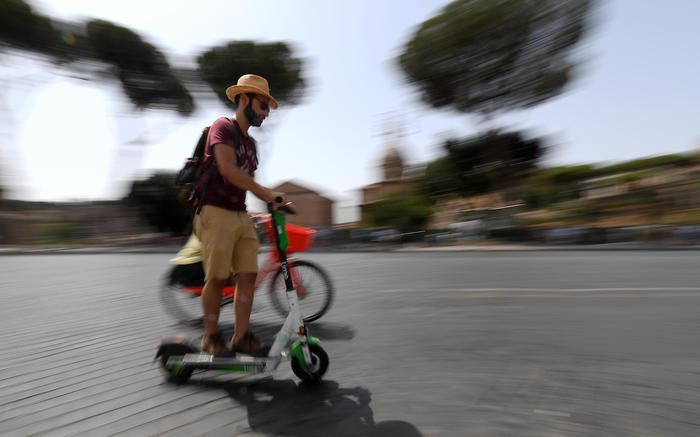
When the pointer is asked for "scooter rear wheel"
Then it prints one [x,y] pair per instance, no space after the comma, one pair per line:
[318,365]
[174,375]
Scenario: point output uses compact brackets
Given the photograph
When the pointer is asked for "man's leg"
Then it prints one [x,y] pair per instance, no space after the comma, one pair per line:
[211,304]
[243,303]
[213,228]
[245,261]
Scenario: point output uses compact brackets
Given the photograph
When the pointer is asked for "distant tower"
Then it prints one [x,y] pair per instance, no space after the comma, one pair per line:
[394,133]
[393,165]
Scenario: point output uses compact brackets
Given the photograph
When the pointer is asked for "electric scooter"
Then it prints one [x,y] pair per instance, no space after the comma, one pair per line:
[179,358]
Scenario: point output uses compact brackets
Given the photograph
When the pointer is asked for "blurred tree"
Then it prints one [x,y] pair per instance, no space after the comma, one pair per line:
[476,165]
[485,56]
[565,175]
[21,27]
[506,156]
[558,184]
[401,210]
[145,75]
[156,201]
[441,178]
[142,69]
[222,65]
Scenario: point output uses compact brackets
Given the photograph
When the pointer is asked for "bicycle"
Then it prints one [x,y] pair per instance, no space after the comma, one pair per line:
[183,283]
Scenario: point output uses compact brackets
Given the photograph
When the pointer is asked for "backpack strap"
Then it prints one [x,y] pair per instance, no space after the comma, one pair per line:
[212,168]
[201,144]
[208,172]
[236,138]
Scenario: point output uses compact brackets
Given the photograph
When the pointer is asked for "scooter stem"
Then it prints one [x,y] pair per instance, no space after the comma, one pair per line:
[278,226]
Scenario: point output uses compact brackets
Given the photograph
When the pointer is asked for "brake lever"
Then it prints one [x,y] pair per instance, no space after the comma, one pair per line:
[288,208]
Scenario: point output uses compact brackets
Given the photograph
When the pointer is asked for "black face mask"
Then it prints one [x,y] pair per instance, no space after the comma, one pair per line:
[253,118]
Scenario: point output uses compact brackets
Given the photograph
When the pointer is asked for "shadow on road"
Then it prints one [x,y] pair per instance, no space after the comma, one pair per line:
[323,409]
[331,331]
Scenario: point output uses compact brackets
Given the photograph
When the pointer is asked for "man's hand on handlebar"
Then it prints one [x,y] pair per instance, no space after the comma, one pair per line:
[280,203]
[278,198]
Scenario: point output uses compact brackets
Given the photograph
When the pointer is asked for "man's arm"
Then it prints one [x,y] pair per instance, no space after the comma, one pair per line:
[227,164]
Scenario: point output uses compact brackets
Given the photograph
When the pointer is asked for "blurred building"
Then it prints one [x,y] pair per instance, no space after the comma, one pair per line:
[57,223]
[315,210]
[393,181]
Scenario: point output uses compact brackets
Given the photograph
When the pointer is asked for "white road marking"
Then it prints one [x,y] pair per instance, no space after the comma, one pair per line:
[541,290]
[552,413]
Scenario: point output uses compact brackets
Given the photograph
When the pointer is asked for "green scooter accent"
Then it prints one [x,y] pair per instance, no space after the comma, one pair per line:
[297,353]
[279,221]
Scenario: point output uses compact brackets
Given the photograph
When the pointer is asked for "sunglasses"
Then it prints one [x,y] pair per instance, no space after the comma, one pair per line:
[263,104]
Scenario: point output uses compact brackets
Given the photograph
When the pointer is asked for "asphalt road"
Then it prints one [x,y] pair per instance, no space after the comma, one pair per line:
[421,344]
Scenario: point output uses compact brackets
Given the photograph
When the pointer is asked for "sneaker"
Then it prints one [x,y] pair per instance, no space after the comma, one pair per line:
[213,344]
[249,345]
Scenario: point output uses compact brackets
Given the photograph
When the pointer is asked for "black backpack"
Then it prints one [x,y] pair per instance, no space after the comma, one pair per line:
[188,178]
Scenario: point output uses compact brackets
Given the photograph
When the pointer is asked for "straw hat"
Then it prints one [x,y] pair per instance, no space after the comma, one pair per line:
[250,83]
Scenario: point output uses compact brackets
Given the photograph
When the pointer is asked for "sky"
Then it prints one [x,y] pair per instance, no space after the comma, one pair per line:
[638,95]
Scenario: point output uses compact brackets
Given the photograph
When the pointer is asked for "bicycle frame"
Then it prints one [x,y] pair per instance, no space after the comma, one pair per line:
[269,266]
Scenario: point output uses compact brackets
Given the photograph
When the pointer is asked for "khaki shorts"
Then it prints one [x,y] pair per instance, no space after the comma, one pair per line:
[229,242]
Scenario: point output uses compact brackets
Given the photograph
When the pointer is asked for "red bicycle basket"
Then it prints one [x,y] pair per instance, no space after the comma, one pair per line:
[299,238]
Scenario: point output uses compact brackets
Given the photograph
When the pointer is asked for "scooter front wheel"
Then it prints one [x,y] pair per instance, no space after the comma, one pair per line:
[317,367]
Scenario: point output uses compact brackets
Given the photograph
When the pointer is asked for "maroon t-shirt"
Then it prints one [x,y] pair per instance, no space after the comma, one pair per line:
[220,191]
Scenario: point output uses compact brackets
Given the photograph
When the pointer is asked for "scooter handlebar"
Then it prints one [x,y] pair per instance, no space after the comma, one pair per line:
[288,207]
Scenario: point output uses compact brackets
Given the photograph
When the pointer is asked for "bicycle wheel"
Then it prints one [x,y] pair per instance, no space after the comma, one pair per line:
[179,296]
[314,290]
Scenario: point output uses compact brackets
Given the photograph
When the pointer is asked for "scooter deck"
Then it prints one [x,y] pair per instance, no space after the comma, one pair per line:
[240,363]
[184,354]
